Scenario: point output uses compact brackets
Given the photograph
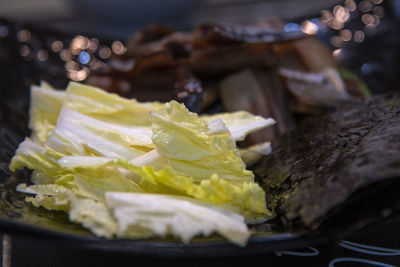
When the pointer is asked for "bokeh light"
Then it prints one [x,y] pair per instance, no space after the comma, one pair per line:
[57,46]
[368,19]
[336,25]
[342,14]
[346,35]
[65,55]
[118,48]
[93,44]
[351,5]
[23,35]
[24,51]
[326,16]
[42,55]
[309,27]
[336,53]
[79,75]
[379,11]
[71,65]
[359,36]
[292,27]
[104,52]
[79,43]
[84,57]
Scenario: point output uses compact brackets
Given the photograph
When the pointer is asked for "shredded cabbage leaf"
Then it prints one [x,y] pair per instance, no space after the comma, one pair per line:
[183,138]
[179,216]
[78,134]
[241,123]
[46,104]
[127,169]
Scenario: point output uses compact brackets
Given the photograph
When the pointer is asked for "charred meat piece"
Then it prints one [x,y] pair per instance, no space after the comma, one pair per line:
[260,92]
[177,43]
[337,170]
[157,38]
[175,83]
[160,63]
[322,89]
[217,61]
[152,32]
[125,68]
[310,74]
[224,34]
[304,54]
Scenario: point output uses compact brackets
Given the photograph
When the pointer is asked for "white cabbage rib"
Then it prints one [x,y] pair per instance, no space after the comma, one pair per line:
[77,134]
[170,215]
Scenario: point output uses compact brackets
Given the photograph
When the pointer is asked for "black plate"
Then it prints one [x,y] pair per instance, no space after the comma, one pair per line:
[21,218]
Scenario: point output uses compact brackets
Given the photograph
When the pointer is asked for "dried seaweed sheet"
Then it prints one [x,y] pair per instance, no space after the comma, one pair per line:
[343,166]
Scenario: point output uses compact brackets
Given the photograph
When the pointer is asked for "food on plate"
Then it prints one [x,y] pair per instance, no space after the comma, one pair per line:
[127,169]
[257,68]
[137,168]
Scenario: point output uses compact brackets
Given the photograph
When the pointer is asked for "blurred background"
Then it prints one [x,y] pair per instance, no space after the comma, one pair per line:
[61,40]
[120,18]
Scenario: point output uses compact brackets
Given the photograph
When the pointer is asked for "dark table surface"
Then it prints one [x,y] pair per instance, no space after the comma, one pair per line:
[376,245]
